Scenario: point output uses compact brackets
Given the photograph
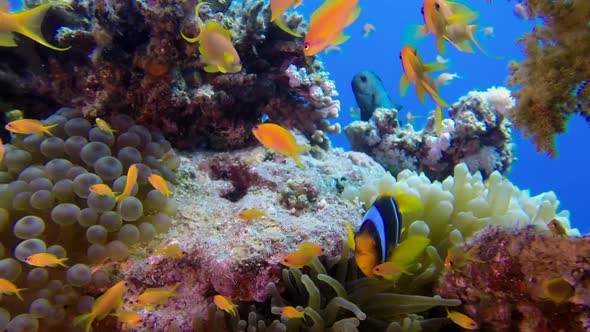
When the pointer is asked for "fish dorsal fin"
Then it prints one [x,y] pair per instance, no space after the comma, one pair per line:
[354,16]
[214,26]
[327,5]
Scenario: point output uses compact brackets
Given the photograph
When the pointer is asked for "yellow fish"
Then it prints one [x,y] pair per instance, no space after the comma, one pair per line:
[27,22]
[418,72]
[557,290]
[462,320]
[215,46]
[291,312]
[102,189]
[327,24]
[403,256]
[7,287]
[170,251]
[1,150]
[279,139]
[28,126]
[155,296]
[128,318]
[225,304]
[129,183]
[159,184]
[104,126]
[556,227]
[45,259]
[457,259]
[278,7]
[251,214]
[315,249]
[111,300]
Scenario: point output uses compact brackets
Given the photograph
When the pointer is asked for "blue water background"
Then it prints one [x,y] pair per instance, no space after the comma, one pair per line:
[565,175]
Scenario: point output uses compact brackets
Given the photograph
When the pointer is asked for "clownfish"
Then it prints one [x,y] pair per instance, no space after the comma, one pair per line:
[380,230]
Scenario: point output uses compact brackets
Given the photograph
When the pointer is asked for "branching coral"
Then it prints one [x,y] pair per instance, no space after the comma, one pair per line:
[477,133]
[140,65]
[550,80]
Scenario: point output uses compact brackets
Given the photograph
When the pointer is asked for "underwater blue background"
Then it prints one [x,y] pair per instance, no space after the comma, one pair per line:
[565,175]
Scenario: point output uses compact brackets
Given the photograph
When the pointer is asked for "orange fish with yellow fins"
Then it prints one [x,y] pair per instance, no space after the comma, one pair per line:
[111,300]
[279,139]
[27,23]
[28,126]
[225,304]
[215,46]
[418,73]
[7,287]
[278,7]
[130,182]
[45,259]
[327,24]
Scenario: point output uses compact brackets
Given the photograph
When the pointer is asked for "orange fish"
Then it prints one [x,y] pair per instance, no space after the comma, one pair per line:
[225,304]
[27,22]
[438,14]
[159,184]
[104,126]
[327,24]
[417,72]
[128,318]
[460,35]
[277,8]
[291,312]
[368,29]
[28,126]
[462,320]
[45,259]
[315,249]
[215,46]
[111,300]
[298,259]
[129,183]
[279,139]
[411,118]
[102,189]
[7,287]
[251,214]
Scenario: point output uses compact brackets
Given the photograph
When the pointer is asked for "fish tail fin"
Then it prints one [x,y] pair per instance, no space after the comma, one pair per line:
[46,129]
[438,118]
[17,293]
[85,318]
[61,261]
[285,28]
[29,24]
[471,33]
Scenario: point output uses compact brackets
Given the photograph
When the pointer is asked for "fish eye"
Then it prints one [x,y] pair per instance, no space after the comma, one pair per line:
[137,301]
[437,5]
[422,10]
[306,46]
[400,56]
[255,128]
[415,52]
[126,284]
[285,260]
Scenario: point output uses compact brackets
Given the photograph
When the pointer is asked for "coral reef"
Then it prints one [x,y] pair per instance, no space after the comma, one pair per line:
[506,293]
[557,65]
[477,133]
[46,206]
[139,65]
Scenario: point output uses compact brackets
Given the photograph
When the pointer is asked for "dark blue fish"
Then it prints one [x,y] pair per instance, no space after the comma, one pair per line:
[370,94]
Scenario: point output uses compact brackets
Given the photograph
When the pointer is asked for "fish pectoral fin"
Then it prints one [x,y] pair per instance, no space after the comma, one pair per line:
[7,39]
[285,28]
[420,92]
[341,39]
[435,66]
[211,68]
[404,83]
[355,14]
[28,23]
